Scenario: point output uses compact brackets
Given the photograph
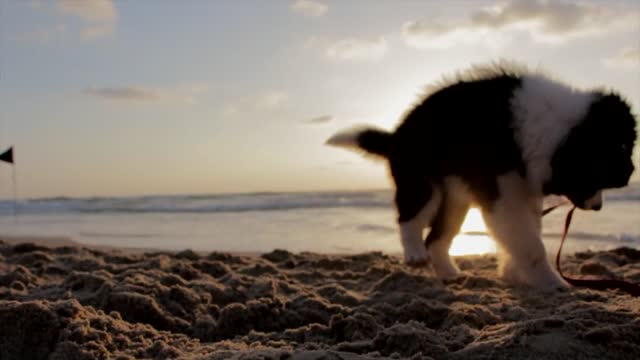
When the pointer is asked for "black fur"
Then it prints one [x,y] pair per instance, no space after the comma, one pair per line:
[597,153]
[441,137]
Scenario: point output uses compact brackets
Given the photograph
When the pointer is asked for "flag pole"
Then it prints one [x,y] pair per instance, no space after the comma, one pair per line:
[7,156]
[15,193]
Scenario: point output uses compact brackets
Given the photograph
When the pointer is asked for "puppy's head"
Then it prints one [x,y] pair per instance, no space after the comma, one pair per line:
[596,155]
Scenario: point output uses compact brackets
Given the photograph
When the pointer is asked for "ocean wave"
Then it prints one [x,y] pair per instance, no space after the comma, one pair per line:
[622,237]
[202,203]
[374,228]
[221,203]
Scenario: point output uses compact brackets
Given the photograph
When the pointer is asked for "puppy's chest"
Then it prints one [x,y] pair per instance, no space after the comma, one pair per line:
[544,113]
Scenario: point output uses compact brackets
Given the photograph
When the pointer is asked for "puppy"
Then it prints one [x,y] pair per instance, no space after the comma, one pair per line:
[500,138]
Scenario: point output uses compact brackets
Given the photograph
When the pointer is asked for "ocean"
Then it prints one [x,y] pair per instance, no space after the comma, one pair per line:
[325,222]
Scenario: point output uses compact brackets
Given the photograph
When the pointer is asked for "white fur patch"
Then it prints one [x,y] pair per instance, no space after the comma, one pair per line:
[411,231]
[346,138]
[411,239]
[545,111]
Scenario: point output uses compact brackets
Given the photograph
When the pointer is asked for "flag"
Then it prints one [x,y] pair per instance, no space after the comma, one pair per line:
[7,156]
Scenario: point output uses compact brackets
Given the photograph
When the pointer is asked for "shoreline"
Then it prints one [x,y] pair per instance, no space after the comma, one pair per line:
[58,241]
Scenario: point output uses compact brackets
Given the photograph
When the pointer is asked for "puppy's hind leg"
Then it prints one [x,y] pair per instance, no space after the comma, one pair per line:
[417,202]
[516,228]
[446,225]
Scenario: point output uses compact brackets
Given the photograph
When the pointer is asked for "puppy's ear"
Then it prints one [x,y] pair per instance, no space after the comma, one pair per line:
[614,106]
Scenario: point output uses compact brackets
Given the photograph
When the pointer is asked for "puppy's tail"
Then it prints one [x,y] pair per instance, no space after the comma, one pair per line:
[370,140]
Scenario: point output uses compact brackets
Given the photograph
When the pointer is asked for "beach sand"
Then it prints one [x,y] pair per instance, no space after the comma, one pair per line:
[73,302]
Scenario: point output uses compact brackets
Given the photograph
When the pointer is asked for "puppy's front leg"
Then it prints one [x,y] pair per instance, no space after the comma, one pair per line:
[517,229]
[415,253]
[417,207]
[446,225]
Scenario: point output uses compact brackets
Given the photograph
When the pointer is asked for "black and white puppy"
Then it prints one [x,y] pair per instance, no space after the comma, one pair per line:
[500,139]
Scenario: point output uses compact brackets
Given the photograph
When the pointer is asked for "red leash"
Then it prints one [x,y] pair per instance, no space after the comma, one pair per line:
[597,284]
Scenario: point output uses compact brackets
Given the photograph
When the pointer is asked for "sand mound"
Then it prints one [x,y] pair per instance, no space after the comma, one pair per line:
[76,303]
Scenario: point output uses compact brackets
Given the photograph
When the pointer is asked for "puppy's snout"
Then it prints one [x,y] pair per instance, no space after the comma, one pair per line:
[594,202]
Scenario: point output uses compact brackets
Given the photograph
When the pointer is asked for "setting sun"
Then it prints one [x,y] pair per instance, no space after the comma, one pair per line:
[473,238]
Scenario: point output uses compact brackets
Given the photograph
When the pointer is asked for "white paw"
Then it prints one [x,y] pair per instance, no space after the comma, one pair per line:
[445,268]
[544,278]
[550,281]
[443,264]
[415,255]
[509,273]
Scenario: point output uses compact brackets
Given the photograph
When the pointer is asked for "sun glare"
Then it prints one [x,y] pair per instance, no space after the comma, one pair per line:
[473,238]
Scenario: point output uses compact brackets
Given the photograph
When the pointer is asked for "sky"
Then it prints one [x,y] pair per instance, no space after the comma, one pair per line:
[106,98]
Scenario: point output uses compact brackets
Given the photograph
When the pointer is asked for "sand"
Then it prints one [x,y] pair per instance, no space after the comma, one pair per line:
[73,302]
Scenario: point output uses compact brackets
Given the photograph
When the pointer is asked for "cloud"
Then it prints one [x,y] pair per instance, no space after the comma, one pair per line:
[433,35]
[312,8]
[93,19]
[324,119]
[99,16]
[124,93]
[268,100]
[627,58]
[544,20]
[353,49]
[146,94]
[95,11]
